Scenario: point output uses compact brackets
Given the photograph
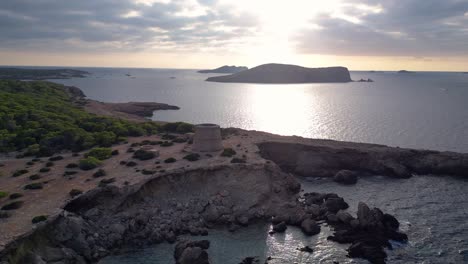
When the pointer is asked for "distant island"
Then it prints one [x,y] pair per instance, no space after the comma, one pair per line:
[284,73]
[40,74]
[405,71]
[226,69]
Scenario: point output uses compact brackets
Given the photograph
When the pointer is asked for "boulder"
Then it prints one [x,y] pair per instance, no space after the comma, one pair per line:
[280,227]
[191,252]
[310,227]
[346,177]
[335,204]
[374,253]
[344,217]
[306,249]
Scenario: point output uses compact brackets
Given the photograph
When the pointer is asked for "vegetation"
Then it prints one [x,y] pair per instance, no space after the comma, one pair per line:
[39,218]
[34,177]
[100,153]
[49,164]
[44,169]
[131,164]
[3,194]
[142,154]
[115,152]
[147,172]
[71,166]
[75,192]
[99,173]
[56,158]
[19,173]
[166,144]
[228,152]
[177,127]
[89,163]
[34,186]
[69,173]
[104,182]
[170,160]
[192,157]
[13,205]
[238,160]
[40,118]
[15,196]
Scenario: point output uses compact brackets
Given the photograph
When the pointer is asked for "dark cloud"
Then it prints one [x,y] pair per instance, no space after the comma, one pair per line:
[402,28]
[99,25]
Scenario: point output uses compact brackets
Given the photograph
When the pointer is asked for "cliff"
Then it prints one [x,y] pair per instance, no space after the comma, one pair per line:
[283,73]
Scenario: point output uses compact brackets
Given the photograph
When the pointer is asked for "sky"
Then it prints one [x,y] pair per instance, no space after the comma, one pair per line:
[358,34]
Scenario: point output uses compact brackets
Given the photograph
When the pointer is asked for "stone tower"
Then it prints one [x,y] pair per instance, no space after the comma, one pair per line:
[207,138]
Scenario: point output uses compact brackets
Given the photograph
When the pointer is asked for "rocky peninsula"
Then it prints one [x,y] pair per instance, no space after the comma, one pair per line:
[283,74]
[40,74]
[225,69]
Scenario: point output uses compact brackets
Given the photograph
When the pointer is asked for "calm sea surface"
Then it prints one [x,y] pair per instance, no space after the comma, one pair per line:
[419,110]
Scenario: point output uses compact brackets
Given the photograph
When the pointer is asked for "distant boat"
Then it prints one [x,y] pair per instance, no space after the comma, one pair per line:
[128,74]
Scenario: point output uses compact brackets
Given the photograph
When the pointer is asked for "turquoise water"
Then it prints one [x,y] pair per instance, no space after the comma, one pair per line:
[419,110]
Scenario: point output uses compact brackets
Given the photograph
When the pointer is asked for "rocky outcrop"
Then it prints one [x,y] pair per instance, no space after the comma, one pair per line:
[327,160]
[226,69]
[107,219]
[188,252]
[283,73]
[346,177]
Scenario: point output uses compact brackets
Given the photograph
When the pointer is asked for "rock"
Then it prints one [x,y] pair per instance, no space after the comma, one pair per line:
[188,252]
[332,218]
[250,260]
[346,177]
[390,222]
[344,217]
[243,220]
[335,204]
[374,253]
[306,249]
[310,227]
[280,228]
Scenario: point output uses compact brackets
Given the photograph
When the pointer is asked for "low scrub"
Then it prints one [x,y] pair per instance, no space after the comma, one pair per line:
[142,154]
[105,182]
[166,144]
[44,170]
[19,172]
[228,152]
[170,160]
[39,218]
[192,157]
[89,163]
[14,196]
[99,173]
[147,172]
[69,173]
[49,164]
[71,166]
[115,152]
[13,205]
[100,153]
[131,164]
[75,192]
[238,160]
[55,158]
[34,186]
[3,194]
[34,177]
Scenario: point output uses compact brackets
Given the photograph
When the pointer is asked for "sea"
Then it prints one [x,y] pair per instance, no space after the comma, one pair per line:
[423,110]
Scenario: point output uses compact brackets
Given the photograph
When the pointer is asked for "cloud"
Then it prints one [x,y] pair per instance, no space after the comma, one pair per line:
[400,28]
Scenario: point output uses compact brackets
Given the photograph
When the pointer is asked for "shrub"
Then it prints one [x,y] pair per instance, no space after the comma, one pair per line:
[104,182]
[168,137]
[34,186]
[123,162]
[13,205]
[179,140]
[100,153]
[44,170]
[71,166]
[89,163]
[131,164]
[147,172]
[177,127]
[56,158]
[166,144]
[170,160]
[142,154]
[3,194]
[19,172]
[49,164]
[39,218]
[69,173]
[135,145]
[75,154]
[228,152]
[34,177]
[4,214]
[30,163]
[192,157]
[75,192]
[99,173]
[36,160]
[238,160]
[15,196]
[115,152]
[130,150]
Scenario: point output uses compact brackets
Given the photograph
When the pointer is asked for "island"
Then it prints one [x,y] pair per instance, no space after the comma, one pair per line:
[405,71]
[40,74]
[226,69]
[284,74]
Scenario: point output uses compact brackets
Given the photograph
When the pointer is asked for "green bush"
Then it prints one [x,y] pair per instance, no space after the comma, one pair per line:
[39,218]
[13,205]
[15,196]
[99,173]
[44,170]
[177,127]
[142,154]
[192,157]
[228,152]
[75,192]
[3,194]
[34,186]
[19,172]
[100,153]
[34,177]
[89,163]
[170,160]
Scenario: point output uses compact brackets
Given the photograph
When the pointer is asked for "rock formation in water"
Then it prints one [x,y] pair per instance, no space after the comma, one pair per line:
[405,71]
[226,69]
[283,73]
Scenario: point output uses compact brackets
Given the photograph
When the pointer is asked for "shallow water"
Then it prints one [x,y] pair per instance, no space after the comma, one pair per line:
[431,210]
[420,110]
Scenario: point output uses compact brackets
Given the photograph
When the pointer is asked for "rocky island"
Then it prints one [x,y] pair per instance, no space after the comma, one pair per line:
[283,74]
[225,69]
[89,196]
[40,74]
